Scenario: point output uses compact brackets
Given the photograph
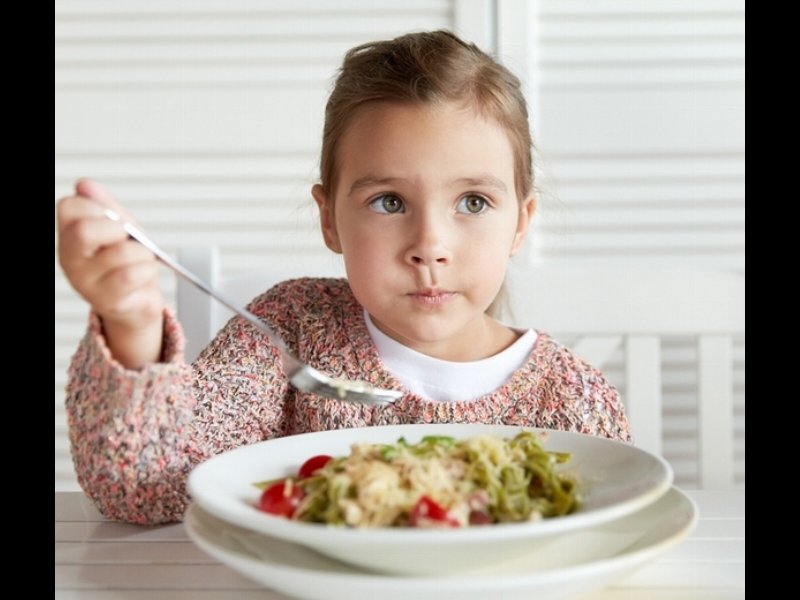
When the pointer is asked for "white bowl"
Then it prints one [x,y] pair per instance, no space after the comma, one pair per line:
[614,479]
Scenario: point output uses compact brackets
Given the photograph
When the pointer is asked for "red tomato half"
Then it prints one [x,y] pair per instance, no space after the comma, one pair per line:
[281,499]
[313,464]
[428,512]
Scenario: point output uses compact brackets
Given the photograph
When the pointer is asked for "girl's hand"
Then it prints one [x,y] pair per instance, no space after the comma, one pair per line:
[117,276]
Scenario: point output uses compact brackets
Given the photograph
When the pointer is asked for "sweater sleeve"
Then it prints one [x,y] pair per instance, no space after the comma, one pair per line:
[135,435]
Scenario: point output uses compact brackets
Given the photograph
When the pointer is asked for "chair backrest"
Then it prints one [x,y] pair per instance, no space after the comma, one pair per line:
[599,310]
[633,309]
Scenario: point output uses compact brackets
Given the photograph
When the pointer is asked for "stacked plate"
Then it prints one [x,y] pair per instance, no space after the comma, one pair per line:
[629,514]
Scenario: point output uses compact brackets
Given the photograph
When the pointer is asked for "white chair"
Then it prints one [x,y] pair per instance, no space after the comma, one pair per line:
[634,309]
[602,309]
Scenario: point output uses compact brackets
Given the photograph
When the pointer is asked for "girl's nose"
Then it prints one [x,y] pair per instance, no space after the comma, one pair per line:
[428,245]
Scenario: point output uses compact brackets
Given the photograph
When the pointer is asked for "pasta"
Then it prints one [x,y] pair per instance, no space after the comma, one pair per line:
[437,482]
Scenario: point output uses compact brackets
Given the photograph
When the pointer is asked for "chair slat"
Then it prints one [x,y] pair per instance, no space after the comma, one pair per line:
[195,307]
[643,390]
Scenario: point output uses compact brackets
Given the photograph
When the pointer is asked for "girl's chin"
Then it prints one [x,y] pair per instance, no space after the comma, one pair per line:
[438,342]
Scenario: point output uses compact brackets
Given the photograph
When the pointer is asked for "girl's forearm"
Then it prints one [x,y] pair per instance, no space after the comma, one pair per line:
[135,347]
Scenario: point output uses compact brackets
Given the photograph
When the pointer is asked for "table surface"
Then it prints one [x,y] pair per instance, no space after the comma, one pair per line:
[97,559]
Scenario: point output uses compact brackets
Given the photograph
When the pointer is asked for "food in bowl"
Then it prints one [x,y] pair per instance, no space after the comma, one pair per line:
[437,482]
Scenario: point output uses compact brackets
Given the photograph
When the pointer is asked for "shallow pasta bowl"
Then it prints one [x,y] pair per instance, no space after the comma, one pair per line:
[614,479]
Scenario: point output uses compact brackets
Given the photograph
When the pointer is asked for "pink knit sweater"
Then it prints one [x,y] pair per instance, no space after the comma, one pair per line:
[136,434]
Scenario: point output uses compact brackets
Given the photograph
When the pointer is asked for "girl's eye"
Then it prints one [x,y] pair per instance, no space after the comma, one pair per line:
[387,204]
[472,204]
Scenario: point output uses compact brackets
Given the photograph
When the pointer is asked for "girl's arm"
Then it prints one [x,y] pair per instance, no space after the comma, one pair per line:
[136,434]
[115,275]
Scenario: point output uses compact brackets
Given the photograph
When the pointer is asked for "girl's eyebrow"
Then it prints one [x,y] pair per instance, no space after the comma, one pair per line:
[489,181]
[371,181]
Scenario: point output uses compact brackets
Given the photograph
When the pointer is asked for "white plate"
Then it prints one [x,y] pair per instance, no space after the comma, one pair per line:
[618,548]
[615,479]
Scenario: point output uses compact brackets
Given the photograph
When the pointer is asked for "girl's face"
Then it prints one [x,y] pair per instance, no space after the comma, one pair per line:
[426,215]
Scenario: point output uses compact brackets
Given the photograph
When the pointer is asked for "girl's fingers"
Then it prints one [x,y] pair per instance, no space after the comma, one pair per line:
[84,238]
[130,277]
[75,208]
[117,256]
[89,188]
[129,289]
[125,253]
[89,201]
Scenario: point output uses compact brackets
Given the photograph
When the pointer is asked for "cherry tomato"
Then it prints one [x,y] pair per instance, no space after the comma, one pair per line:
[480,517]
[313,464]
[479,509]
[281,499]
[427,512]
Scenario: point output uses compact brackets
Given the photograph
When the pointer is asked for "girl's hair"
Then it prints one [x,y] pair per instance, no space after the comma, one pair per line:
[424,68]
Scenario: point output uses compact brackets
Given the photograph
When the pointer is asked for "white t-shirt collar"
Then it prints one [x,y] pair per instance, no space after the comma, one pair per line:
[444,380]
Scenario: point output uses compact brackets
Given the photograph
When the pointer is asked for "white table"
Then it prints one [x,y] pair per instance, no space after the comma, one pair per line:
[98,559]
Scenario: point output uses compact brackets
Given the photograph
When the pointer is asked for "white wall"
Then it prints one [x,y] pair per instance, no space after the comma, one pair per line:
[204,120]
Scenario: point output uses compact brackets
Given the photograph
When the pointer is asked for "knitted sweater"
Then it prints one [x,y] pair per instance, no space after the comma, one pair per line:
[135,435]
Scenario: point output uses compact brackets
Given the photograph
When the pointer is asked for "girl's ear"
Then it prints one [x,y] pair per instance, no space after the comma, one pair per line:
[327,221]
[526,211]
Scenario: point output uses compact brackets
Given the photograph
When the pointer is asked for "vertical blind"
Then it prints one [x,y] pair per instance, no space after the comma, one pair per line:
[204,119]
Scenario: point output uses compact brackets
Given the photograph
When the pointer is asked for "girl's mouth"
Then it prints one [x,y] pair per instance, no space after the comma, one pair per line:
[432,297]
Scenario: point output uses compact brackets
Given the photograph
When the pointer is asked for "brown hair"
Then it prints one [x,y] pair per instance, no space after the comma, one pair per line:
[427,67]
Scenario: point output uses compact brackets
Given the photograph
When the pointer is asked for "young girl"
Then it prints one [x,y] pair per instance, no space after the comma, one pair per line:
[426,190]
